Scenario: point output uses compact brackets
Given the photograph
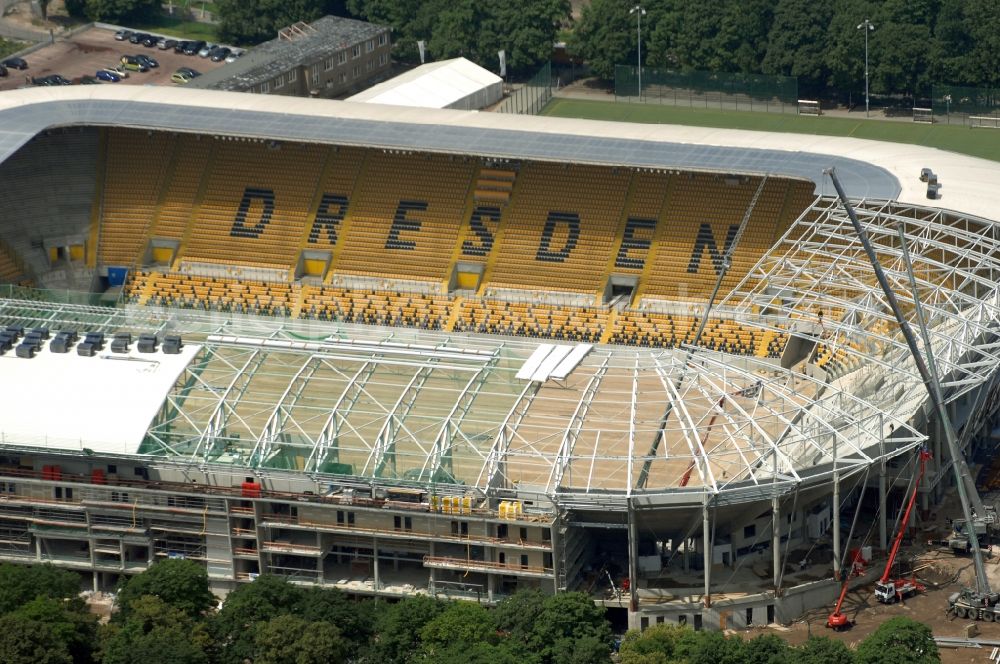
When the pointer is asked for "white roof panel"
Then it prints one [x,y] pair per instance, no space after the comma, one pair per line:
[104,403]
[531,365]
[434,85]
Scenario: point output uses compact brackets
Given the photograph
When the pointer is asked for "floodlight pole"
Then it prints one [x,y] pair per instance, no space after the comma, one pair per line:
[639,13]
[868,27]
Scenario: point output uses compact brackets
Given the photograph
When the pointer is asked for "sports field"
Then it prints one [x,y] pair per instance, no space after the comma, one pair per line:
[981,142]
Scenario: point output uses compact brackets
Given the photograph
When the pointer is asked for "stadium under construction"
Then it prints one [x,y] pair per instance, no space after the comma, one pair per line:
[402,351]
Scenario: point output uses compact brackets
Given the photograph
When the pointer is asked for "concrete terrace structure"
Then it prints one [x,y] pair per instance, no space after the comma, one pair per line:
[387,460]
[325,58]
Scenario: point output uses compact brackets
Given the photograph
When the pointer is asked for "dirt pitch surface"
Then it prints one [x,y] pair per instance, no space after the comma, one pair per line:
[86,52]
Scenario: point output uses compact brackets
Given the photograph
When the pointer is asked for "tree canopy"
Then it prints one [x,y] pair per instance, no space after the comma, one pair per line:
[20,584]
[915,43]
[183,584]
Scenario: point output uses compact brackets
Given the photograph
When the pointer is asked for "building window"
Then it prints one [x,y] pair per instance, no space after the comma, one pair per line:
[383,59]
[342,57]
[112,469]
[279,82]
[370,46]
[382,39]
[502,531]
[343,77]
[265,87]
[357,71]
[547,559]
[356,51]
[750,531]
[524,534]
[370,65]
[293,76]
[524,560]
[340,516]
[328,64]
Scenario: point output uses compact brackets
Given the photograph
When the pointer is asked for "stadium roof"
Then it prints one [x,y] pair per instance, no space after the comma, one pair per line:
[436,85]
[102,403]
[868,169]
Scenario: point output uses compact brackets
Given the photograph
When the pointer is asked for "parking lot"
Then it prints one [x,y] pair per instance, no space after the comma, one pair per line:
[86,52]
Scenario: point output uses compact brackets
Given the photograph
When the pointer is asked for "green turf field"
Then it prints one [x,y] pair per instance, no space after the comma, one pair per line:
[976,142]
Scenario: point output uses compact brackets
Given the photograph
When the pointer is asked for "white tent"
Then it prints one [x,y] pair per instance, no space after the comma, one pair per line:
[456,83]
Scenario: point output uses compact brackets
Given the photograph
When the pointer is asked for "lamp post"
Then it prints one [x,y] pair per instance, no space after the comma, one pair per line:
[867,27]
[639,13]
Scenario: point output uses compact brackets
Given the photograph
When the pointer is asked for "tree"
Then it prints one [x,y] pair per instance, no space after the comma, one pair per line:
[120,11]
[899,640]
[180,583]
[355,619]
[658,643]
[479,653]
[410,20]
[571,628]
[248,22]
[525,29]
[26,641]
[603,37]
[397,638]
[461,625]
[266,598]
[72,626]
[795,43]
[706,647]
[21,584]
[155,631]
[823,650]
[289,639]
[767,649]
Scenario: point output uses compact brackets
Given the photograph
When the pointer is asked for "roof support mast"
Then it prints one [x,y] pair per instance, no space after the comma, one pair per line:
[930,382]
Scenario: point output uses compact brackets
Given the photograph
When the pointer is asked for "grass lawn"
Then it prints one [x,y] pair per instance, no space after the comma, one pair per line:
[983,143]
[175,27]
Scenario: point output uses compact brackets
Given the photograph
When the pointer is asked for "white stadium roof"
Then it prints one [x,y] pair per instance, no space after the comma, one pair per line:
[456,83]
[103,403]
[868,169]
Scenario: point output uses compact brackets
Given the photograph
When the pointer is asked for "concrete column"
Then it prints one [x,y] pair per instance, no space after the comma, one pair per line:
[706,537]
[38,549]
[776,540]
[633,559]
[556,542]
[836,525]
[378,584]
[433,570]
[882,534]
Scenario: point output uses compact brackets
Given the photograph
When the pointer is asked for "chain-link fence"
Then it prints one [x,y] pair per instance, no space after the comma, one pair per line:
[705,89]
[955,104]
[531,97]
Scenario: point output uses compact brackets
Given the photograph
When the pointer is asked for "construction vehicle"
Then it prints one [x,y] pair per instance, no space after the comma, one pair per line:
[887,589]
[958,540]
[979,603]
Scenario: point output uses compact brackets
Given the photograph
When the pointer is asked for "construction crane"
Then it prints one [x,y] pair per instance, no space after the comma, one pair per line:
[887,589]
[979,603]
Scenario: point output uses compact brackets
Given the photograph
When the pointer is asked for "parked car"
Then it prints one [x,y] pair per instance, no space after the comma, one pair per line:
[107,75]
[194,47]
[181,77]
[234,56]
[150,40]
[15,63]
[181,46]
[220,54]
[205,50]
[137,37]
[51,79]
[87,80]
[149,61]
[123,35]
[117,69]
[133,63]
[166,44]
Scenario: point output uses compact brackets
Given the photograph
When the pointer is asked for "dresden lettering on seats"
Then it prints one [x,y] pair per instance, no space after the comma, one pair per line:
[545,251]
[401,223]
[706,240]
[633,242]
[484,223]
[332,209]
[265,197]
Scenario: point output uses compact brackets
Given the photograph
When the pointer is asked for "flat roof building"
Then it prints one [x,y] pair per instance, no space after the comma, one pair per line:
[456,83]
[326,58]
